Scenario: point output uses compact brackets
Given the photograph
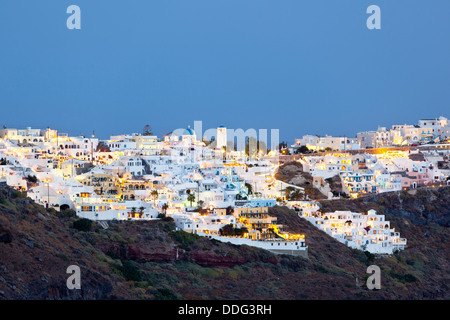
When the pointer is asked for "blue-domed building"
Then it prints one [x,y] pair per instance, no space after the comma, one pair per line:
[189,135]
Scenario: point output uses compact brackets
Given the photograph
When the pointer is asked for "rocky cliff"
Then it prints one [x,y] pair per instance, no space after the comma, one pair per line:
[150,260]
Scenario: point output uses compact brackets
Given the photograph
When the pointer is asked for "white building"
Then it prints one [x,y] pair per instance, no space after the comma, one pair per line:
[221,137]
[317,143]
[369,232]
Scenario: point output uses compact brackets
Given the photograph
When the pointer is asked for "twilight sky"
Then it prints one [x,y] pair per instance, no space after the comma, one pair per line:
[302,67]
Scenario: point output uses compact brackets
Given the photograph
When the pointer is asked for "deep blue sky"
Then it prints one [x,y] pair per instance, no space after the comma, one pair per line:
[308,66]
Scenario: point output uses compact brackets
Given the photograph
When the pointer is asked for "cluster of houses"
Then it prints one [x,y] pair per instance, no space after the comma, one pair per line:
[216,191]
[251,226]
[383,171]
[89,175]
[138,176]
[426,131]
[364,231]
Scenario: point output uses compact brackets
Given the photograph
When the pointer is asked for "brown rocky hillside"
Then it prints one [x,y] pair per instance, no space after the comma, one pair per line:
[149,260]
[292,172]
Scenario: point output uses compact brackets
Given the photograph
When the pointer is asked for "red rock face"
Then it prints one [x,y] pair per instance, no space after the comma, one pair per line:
[212,260]
[144,253]
[141,252]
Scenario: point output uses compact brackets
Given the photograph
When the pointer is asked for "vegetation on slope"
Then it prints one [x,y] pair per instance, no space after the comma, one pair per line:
[150,260]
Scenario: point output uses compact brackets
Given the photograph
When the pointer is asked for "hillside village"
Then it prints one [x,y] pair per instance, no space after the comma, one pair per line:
[222,193]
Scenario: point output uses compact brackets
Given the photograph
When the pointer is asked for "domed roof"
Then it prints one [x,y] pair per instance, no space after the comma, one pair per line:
[189,131]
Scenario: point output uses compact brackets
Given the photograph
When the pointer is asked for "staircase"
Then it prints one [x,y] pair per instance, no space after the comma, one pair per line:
[104,224]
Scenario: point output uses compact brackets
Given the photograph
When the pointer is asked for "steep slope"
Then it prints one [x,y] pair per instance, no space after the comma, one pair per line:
[419,272]
[149,260]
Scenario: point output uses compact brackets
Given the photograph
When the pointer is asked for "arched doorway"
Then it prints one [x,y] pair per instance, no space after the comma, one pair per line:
[64,207]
